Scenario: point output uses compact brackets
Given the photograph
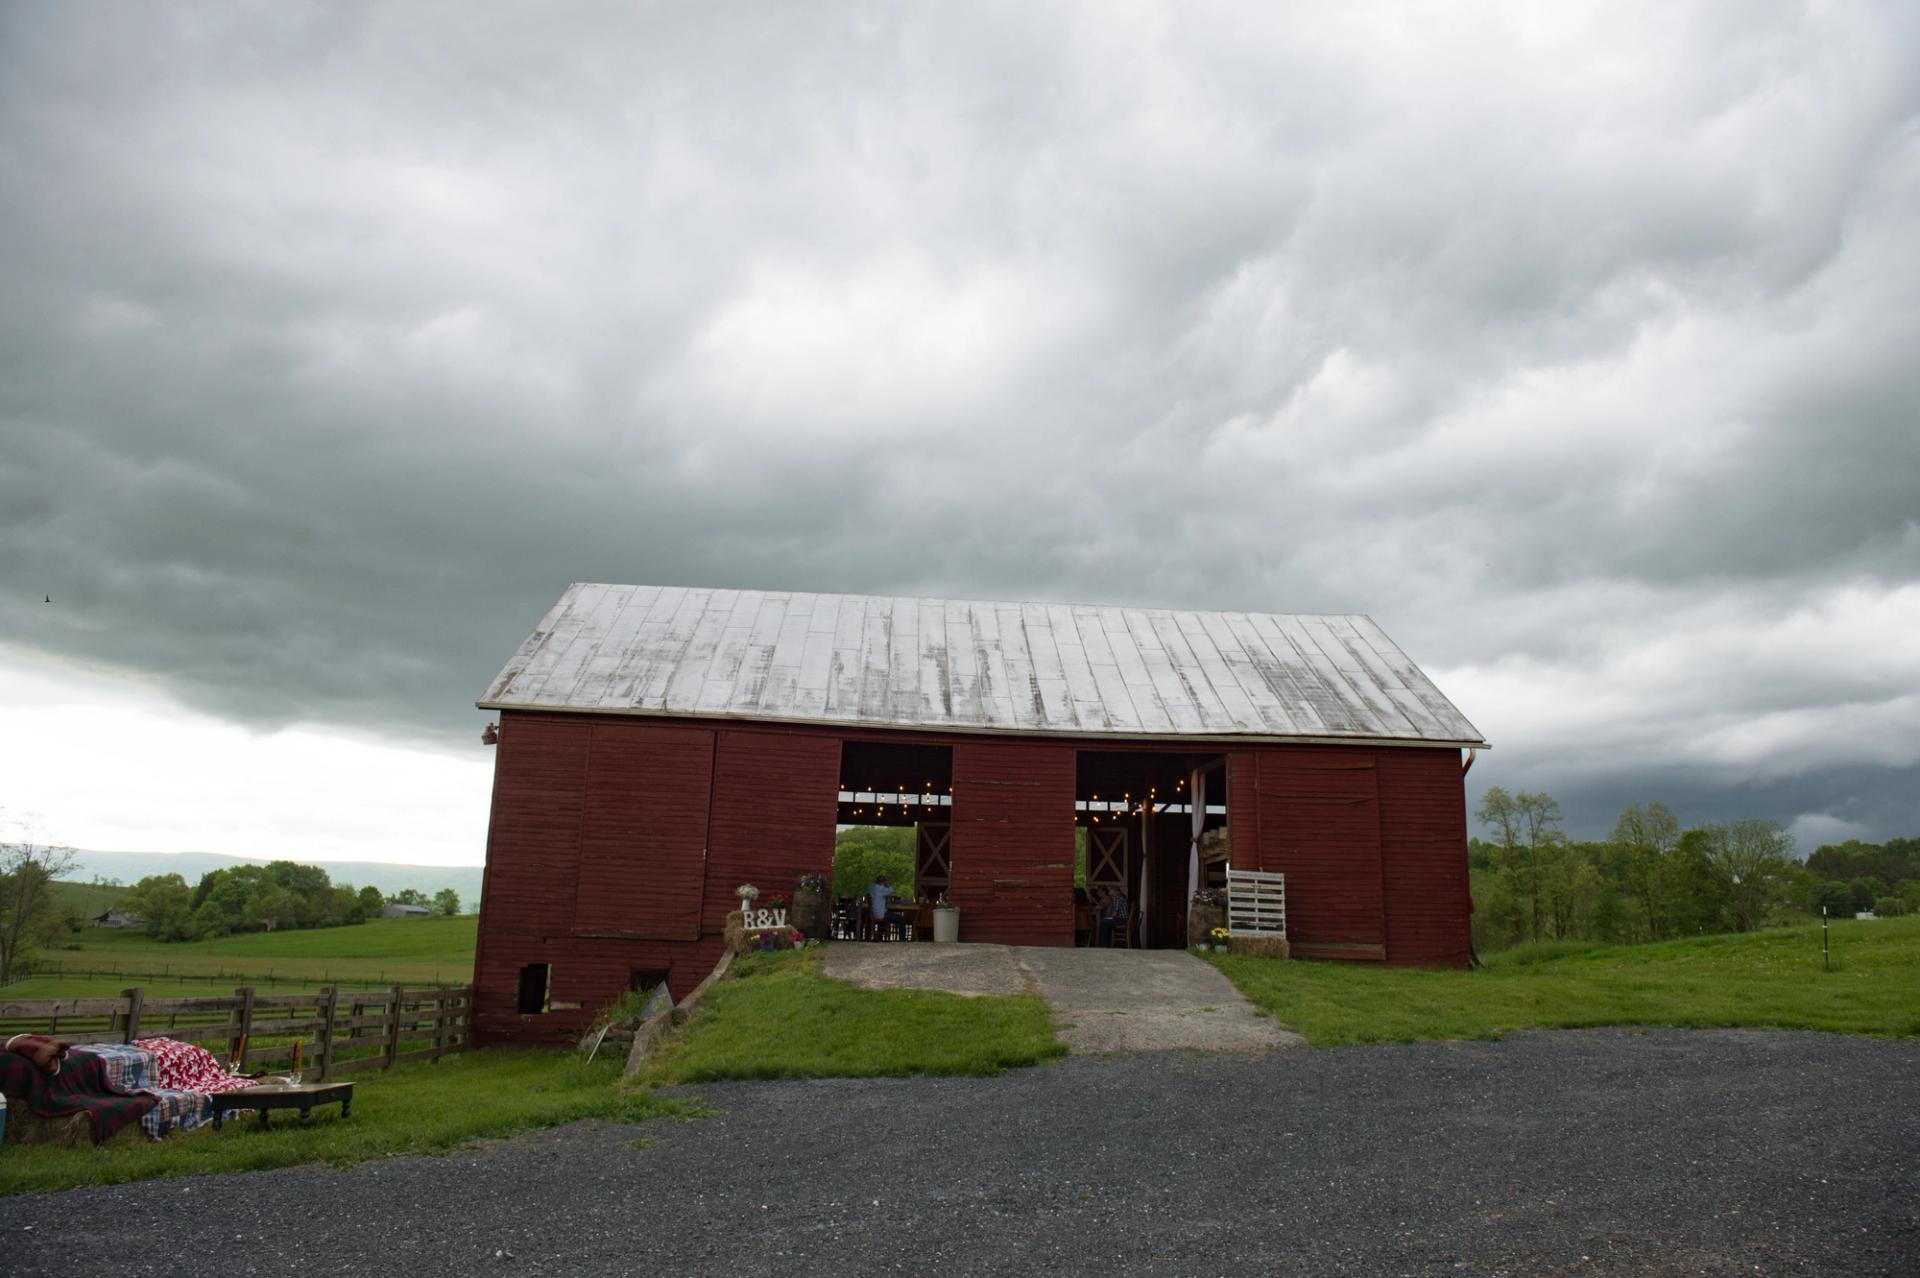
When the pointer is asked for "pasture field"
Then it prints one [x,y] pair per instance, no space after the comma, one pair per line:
[84,900]
[423,951]
[1759,980]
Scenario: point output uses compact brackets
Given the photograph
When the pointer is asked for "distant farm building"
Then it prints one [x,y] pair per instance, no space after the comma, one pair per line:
[404,911]
[659,746]
[119,919]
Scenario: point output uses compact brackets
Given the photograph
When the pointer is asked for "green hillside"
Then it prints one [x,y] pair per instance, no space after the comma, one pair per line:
[84,900]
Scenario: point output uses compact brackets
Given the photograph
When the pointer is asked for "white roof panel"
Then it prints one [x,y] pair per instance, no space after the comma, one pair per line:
[958,665]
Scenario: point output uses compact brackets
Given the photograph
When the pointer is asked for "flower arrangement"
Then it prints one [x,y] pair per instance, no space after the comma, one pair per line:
[747,892]
[1209,896]
[776,902]
[813,883]
[1219,936]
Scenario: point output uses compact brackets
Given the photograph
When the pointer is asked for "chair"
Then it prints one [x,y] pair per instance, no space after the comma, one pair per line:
[1120,930]
[842,923]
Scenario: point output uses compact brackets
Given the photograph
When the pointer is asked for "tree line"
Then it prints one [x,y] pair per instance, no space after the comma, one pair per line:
[262,898]
[1651,879]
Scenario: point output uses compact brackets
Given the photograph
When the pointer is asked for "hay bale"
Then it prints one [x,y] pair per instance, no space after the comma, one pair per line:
[1259,946]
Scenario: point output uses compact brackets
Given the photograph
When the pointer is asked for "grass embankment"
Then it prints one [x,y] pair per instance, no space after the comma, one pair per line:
[1761,980]
[423,951]
[410,1109]
[84,900]
[778,1017]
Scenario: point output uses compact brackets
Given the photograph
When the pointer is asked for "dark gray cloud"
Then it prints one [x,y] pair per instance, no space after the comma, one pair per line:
[1575,346]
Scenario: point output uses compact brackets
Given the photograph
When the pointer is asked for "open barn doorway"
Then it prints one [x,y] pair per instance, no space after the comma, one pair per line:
[1146,850]
[895,823]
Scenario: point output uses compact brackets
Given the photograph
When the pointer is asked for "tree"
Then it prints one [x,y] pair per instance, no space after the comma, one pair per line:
[408,896]
[164,903]
[371,902]
[28,866]
[1527,830]
[446,901]
[1642,837]
[1836,898]
[1866,891]
[1750,857]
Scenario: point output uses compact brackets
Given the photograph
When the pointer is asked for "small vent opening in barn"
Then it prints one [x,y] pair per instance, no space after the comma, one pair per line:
[536,981]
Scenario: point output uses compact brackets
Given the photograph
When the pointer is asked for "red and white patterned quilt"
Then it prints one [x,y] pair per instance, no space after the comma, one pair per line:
[185,1067]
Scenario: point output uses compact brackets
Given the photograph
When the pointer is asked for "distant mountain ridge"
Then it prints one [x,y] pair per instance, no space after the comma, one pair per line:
[131,867]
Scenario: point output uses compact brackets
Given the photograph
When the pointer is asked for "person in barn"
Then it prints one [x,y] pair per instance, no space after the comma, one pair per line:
[878,895]
[1113,911]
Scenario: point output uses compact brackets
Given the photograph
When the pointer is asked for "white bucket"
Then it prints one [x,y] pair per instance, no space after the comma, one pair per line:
[946,924]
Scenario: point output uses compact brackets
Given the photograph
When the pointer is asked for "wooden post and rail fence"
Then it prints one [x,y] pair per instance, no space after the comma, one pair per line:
[341,1030]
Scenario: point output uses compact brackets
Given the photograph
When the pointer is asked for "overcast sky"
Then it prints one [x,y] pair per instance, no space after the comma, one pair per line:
[1579,345]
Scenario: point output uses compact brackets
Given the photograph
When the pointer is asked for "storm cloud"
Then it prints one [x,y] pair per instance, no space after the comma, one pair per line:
[1575,344]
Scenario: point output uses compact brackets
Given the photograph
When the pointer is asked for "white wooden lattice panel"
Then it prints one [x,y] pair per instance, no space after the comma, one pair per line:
[1256,903]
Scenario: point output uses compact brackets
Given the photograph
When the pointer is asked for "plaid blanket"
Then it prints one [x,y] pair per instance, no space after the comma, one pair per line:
[179,1077]
[80,1088]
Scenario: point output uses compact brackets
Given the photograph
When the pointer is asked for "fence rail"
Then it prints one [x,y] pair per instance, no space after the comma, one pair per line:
[341,1030]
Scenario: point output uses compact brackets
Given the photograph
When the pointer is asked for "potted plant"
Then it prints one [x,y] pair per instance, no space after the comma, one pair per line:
[1217,939]
[810,905]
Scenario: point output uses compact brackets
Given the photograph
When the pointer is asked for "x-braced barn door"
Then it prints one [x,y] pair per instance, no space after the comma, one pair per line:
[933,858]
[1106,856]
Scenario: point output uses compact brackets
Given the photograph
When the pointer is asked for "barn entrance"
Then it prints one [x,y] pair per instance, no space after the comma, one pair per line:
[1136,810]
[895,821]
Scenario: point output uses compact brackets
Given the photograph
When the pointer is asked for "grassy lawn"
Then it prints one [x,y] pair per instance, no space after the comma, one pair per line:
[425,951]
[1770,979]
[410,1109]
[780,1018]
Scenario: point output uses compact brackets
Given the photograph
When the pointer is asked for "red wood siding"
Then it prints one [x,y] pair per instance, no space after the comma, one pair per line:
[775,797]
[1315,817]
[1423,827]
[1013,842]
[643,835]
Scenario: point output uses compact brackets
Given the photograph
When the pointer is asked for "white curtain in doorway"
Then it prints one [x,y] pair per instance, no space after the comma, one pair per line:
[1198,787]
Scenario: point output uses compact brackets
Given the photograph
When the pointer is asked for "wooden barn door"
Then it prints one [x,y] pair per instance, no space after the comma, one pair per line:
[775,802]
[1107,857]
[1013,842]
[932,858]
[643,832]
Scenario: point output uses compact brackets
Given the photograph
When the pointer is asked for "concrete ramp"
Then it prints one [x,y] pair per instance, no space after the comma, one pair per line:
[1104,1000]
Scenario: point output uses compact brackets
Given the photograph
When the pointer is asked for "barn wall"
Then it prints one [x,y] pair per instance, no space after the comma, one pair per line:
[1423,826]
[775,797]
[1013,842]
[595,866]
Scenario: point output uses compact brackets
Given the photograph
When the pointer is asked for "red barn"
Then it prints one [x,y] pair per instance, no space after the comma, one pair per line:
[659,746]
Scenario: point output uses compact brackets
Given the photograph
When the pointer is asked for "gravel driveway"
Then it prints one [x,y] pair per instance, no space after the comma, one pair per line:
[1596,1152]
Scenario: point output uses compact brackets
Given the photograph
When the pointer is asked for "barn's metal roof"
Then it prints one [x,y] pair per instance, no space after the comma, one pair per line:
[955,665]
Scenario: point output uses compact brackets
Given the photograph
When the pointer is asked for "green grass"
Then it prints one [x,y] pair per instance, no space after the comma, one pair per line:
[1770,979]
[425,951]
[778,1017]
[410,1109]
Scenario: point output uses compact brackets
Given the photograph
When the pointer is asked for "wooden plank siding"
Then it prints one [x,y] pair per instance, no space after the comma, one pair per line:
[1423,829]
[775,800]
[643,835]
[1013,842]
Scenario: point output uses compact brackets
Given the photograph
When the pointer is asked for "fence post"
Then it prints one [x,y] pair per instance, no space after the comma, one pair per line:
[393,1029]
[135,997]
[246,1028]
[439,1022]
[329,1006]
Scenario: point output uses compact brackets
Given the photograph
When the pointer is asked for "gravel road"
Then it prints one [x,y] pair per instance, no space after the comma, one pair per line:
[1595,1152]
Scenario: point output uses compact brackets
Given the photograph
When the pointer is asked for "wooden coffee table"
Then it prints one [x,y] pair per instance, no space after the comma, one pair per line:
[272,1096]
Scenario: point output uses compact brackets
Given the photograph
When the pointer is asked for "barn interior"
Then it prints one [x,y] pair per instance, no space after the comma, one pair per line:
[1132,810]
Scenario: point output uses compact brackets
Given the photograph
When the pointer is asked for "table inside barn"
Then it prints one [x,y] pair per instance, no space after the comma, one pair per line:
[272,1096]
